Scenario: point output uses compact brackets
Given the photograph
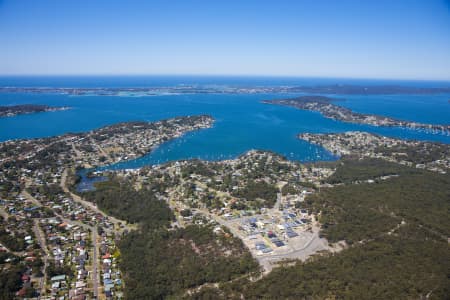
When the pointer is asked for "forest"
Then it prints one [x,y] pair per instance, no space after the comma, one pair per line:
[418,154]
[10,281]
[351,170]
[260,193]
[396,231]
[159,262]
[12,242]
[361,211]
[121,200]
[408,265]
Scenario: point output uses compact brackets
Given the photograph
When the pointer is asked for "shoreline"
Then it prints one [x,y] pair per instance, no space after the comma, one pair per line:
[326,107]
[25,109]
[419,154]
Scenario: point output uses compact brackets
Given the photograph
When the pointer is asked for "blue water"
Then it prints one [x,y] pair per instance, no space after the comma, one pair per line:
[242,122]
[88,183]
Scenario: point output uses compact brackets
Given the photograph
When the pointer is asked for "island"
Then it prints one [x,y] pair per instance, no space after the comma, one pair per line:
[14,110]
[327,107]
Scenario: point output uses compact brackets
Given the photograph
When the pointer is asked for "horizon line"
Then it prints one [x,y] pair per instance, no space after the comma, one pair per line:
[223,75]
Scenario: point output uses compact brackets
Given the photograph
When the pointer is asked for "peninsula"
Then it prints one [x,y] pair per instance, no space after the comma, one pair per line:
[52,242]
[251,227]
[101,146]
[10,111]
[326,106]
[421,155]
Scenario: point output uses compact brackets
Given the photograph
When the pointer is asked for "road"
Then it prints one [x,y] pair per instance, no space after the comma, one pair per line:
[90,205]
[28,154]
[99,148]
[43,243]
[222,222]
[28,196]
[13,252]
[312,246]
[77,152]
[95,275]
[278,202]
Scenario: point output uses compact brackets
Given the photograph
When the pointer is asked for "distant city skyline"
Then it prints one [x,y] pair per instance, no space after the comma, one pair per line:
[343,39]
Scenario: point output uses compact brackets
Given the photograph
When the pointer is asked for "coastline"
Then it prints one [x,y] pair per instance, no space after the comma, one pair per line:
[419,154]
[24,109]
[326,107]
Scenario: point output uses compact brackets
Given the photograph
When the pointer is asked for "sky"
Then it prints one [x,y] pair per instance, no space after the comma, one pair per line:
[401,39]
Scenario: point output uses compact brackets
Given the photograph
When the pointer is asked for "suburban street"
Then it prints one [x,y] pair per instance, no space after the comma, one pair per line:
[119,225]
[43,244]
[95,275]
[92,229]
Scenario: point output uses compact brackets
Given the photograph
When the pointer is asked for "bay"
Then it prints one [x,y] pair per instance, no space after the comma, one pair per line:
[242,122]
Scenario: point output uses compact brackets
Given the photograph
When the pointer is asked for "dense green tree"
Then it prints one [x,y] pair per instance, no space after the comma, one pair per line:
[159,263]
[10,281]
[123,201]
[259,192]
